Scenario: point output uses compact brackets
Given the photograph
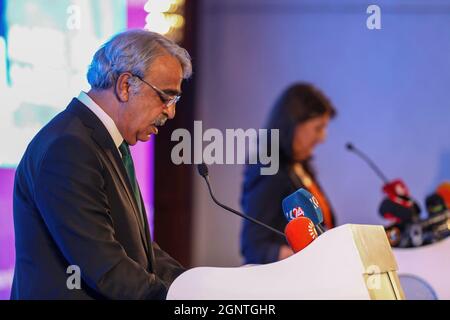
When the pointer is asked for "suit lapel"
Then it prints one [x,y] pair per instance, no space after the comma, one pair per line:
[119,168]
[151,253]
[102,137]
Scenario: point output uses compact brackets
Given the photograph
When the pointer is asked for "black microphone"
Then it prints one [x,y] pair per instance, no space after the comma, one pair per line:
[393,211]
[412,233]
[351,147]
[438,213]
[435,205]
[203,171]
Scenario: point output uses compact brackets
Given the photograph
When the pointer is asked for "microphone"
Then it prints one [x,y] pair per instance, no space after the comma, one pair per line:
[394,234]
[395,212]
[303,203]
[300,232]
[203,171]
[396,191]
[416,233]
[392,189]
[444,191]
[350,147]
[396,188]
[438,213]
[435,205]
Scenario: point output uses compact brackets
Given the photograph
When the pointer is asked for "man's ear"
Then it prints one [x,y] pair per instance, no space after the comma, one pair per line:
[122,87]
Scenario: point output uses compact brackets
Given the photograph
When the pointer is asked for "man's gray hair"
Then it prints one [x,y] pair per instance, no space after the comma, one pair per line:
[133,51]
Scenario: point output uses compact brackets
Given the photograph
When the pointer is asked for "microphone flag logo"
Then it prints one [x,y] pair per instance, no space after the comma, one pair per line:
[312,230]
[296,212]
[314,202]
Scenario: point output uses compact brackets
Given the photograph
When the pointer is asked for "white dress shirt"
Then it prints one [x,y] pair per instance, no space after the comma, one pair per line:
[103,116]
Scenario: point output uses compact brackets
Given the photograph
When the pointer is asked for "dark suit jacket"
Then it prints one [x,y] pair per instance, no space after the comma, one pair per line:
[73,205]
[261,199]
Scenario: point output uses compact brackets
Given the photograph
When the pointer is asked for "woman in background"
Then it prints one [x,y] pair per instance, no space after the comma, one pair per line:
[301,114]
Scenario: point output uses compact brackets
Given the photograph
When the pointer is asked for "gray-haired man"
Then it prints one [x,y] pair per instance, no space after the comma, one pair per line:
[76,198]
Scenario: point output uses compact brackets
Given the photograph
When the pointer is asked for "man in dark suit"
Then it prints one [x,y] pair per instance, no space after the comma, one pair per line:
[77,204]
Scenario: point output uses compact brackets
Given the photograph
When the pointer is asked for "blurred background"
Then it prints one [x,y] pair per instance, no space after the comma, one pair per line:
[390,87]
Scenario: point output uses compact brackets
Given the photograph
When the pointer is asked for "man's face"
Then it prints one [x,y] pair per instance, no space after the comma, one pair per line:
[144,110]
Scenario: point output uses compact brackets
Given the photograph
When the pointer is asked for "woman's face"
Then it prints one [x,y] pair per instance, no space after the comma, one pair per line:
[307,135]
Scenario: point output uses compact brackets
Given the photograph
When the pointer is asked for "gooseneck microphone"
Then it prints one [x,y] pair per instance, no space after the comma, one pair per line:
[203,171]
[351,147]
[399,206]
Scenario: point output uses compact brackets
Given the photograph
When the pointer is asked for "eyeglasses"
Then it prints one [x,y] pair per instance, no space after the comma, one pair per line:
[165,98]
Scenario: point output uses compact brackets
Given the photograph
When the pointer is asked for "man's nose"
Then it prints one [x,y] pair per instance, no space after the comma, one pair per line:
[170,111]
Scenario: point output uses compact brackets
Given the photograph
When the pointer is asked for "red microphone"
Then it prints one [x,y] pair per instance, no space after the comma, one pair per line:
[444,191]
[300,232]
[398,192]
[398,206]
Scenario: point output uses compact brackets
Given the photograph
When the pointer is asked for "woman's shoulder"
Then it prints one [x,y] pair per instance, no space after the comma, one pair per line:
[254,178]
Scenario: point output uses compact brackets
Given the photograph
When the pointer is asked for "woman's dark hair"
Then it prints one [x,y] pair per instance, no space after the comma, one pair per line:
[298,103]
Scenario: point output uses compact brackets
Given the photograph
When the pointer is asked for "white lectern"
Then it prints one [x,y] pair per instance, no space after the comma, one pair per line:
[429,263]
[348,262]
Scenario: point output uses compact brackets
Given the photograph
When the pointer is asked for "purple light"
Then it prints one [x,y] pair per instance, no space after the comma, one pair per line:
[142,152]
[136,14]
[7,255]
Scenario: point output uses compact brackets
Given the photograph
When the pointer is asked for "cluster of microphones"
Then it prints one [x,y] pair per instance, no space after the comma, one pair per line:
[407,227]
[305,218]
[301,209]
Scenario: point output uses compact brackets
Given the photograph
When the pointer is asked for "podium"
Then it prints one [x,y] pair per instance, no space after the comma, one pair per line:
[347,262]
[429,264]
